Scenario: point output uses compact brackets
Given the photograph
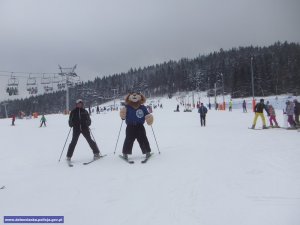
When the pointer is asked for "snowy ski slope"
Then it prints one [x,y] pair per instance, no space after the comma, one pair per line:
[223,174]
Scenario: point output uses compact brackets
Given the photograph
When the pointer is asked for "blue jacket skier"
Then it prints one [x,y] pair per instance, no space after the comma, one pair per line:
[202,110]
[135,114]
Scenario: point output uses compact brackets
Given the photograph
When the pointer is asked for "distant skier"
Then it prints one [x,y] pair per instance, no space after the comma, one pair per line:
[259,108]
[80,120]
[290,113]
[97,109]
[202,110]
[90,112]
[297,111]
[13,119]
[43,121]
[209,106]
[177,108]
[272,116]
[244,106]
[230,105]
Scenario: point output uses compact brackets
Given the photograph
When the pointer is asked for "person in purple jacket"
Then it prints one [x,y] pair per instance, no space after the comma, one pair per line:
[290,113]
[135,114]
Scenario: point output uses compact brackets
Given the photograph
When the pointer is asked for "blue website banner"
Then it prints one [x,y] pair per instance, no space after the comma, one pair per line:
[33,219]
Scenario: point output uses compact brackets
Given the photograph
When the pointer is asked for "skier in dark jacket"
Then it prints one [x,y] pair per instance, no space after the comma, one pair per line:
[202,110]
[13,119]
[297,111]
[244,106]
[80,121]
[259,108]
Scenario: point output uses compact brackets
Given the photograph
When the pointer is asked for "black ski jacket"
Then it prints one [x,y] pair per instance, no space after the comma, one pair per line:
[202,110]
[297,108]
[79,119]
[260,107]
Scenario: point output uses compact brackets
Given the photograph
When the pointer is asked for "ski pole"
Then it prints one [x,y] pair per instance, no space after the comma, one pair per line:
[64,145]
[95,141]
[118,137]
[155,139]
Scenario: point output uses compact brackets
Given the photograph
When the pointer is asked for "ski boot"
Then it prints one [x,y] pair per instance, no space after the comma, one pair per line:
[148,154]
[264,127]
[97,156]
[253,127]
[125,156]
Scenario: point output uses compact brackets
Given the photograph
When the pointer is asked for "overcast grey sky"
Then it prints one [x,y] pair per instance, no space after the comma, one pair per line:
[106,37]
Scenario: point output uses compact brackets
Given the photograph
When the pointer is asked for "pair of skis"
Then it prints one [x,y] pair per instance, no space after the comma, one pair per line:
[70,164]
[132,162]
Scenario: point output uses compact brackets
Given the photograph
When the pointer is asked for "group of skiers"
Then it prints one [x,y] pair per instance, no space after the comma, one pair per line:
[43,120]
[135,114]
[292,111]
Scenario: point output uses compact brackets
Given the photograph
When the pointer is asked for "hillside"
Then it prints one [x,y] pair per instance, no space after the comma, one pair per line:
[276,70]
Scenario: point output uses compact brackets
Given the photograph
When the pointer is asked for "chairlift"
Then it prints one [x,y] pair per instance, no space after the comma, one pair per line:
[61,85]
[12,91]
[13,81]
[70,83]
[12,86]
[31,81]
[56,79]
[76,80]
[48,88]
[47,83]
[32,85]
[46,80]
[32,90]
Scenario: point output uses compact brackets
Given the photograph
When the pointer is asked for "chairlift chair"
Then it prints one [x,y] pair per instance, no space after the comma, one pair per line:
[13,81]
[46,80]
[32,85]
[56,80]
[12,86]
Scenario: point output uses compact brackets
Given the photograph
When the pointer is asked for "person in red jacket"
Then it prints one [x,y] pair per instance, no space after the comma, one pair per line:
[13,119]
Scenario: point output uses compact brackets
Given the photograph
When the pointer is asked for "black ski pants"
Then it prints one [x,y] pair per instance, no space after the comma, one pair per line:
[86,133]
[202,120]
[136,132]
[297,118]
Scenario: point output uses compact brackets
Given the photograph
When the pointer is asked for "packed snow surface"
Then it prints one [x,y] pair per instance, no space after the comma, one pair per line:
[221,174]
